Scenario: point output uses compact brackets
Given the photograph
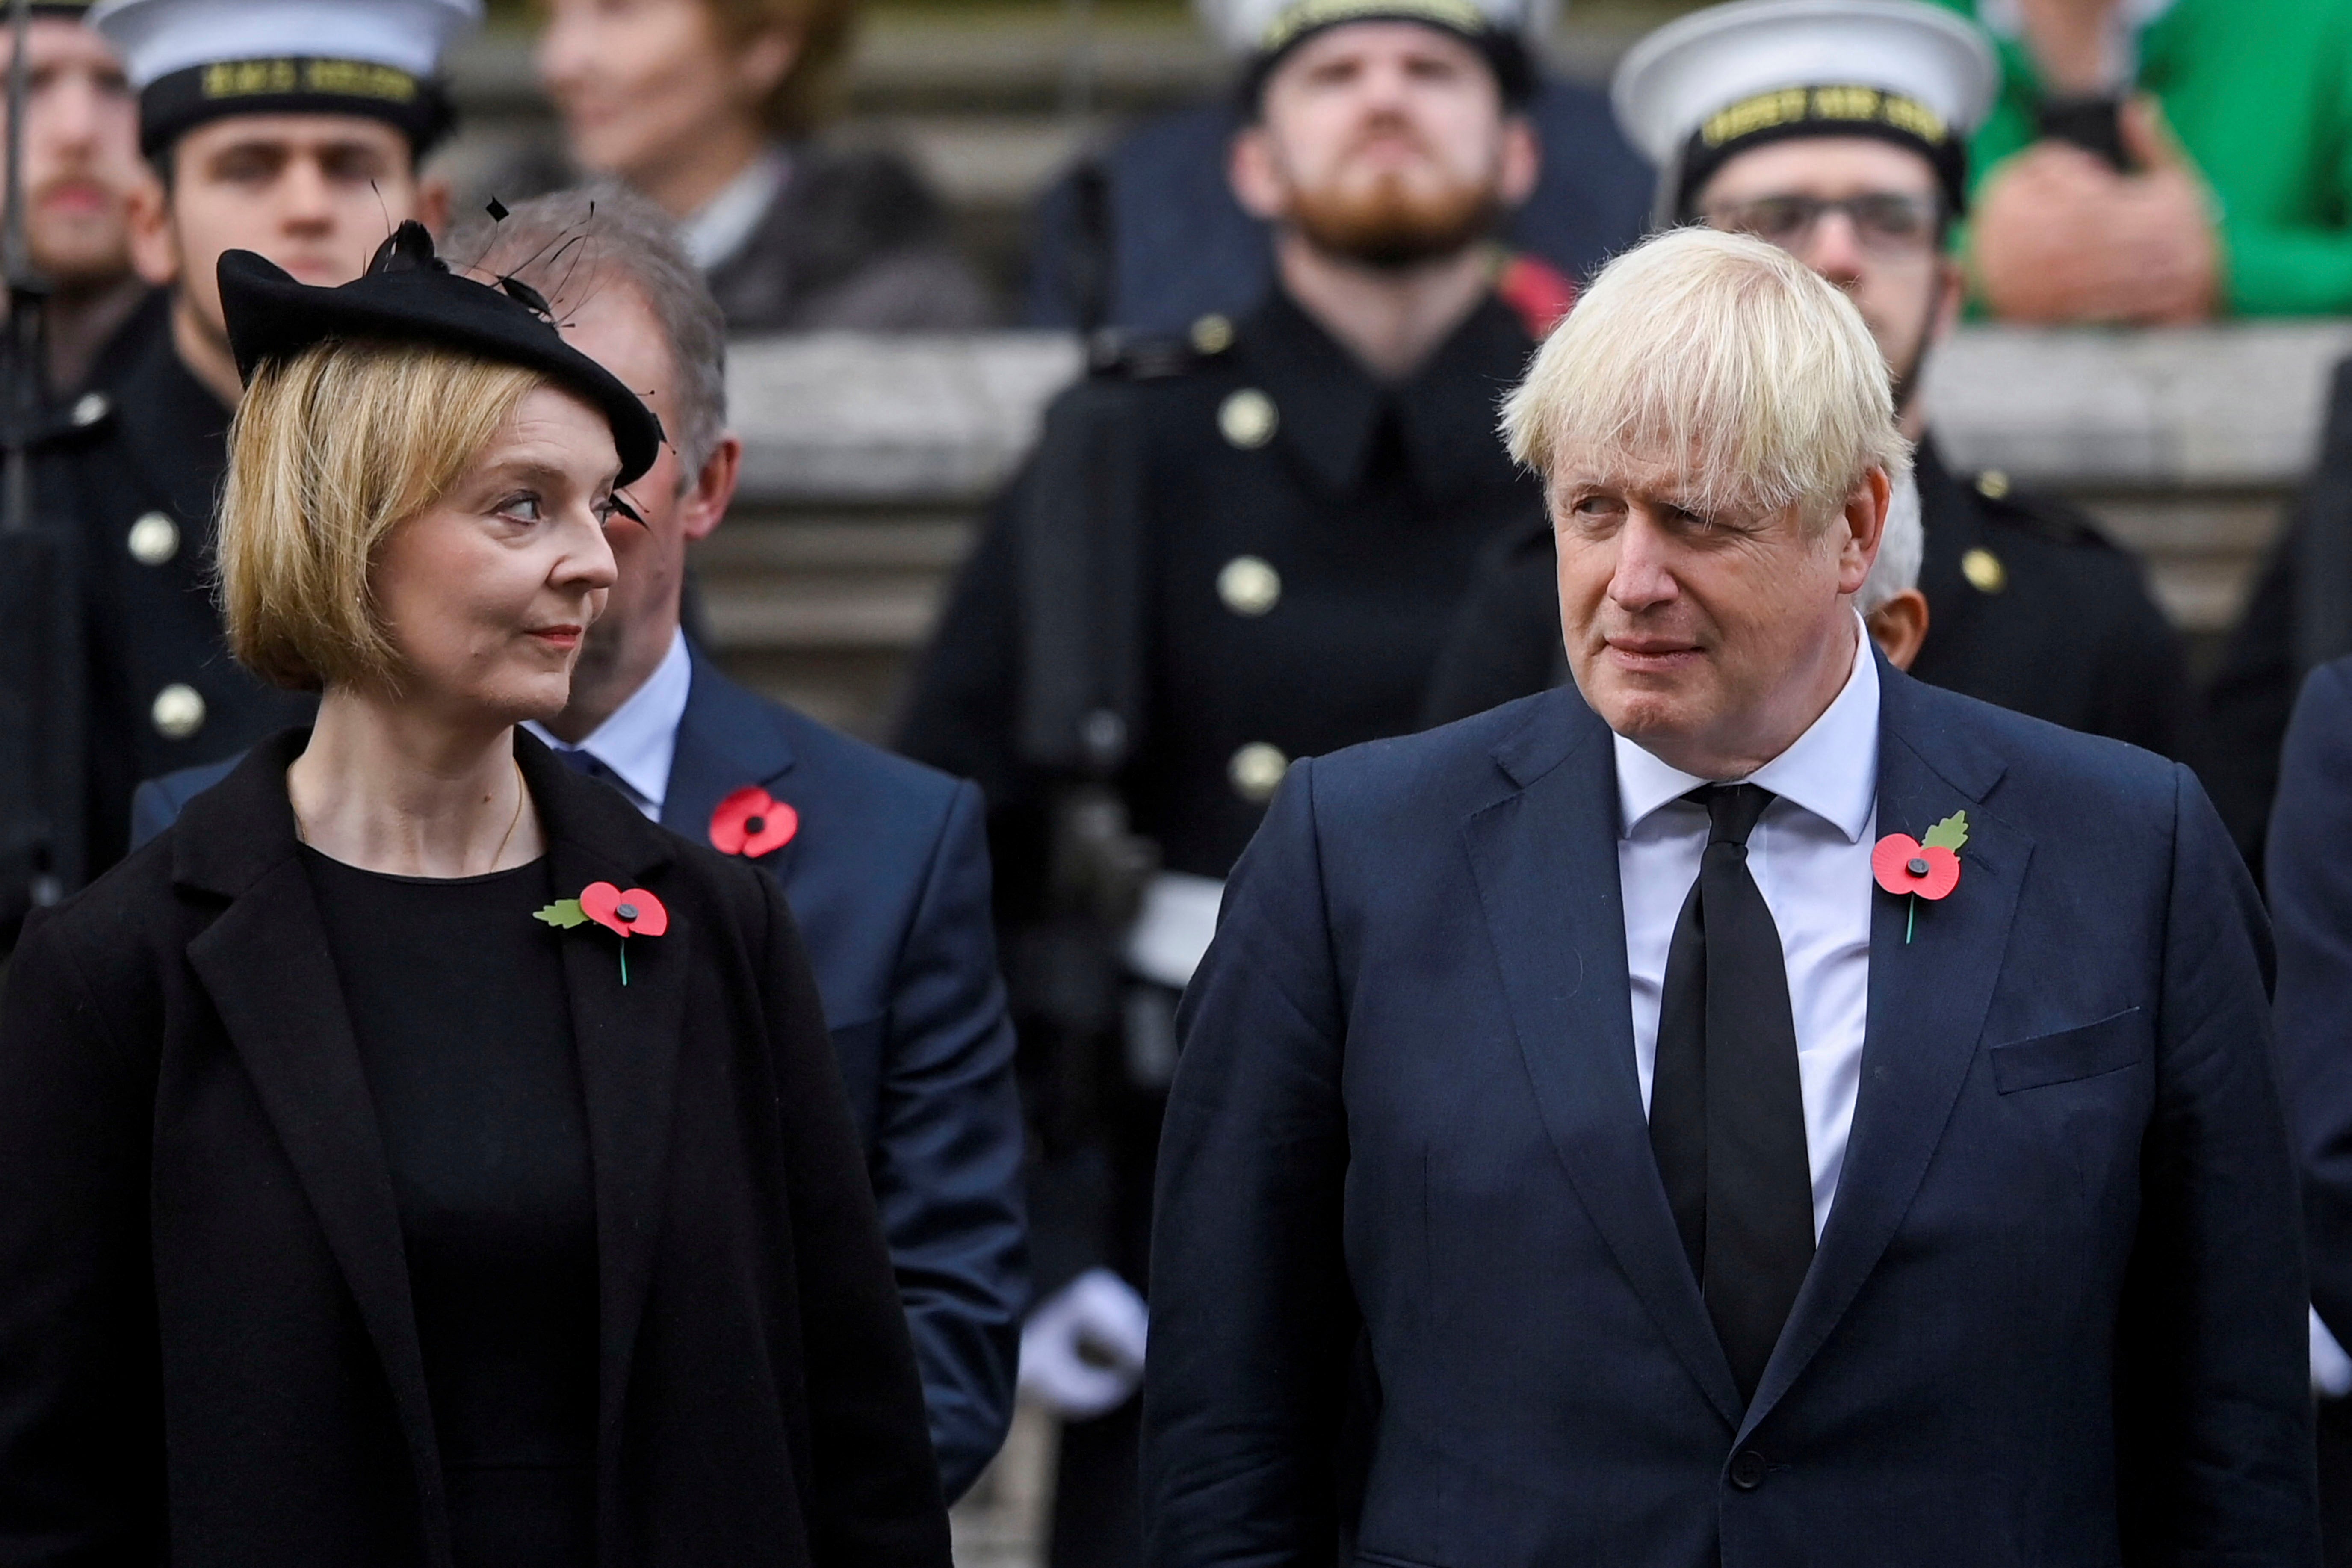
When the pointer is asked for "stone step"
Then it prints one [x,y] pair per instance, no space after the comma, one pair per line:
[869,462]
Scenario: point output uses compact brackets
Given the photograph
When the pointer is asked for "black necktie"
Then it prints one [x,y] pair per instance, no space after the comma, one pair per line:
[1727,1112]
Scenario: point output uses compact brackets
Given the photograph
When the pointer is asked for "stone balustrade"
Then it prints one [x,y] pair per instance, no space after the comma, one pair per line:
[867,460]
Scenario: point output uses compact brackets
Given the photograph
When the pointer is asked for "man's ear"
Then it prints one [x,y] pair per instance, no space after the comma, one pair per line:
[1256,179]
[154,246]
[1951,293]
[433,203]
[1522,161]
[1860,527]
[704,506]
[1899,626]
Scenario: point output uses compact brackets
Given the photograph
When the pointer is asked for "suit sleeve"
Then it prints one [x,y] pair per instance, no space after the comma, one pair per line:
[947,1175]
[1253,1318]
[81,1441]
[876,1494]
[2311,899]
[2213,1410]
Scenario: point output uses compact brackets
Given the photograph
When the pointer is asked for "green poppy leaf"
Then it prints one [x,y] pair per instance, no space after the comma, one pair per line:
[1948,834]
[563,912]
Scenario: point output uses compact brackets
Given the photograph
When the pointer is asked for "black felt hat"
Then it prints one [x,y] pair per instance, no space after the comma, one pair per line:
[409,295]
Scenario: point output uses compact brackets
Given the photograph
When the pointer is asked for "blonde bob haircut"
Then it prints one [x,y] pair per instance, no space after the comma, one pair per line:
[1723,355]
[329,453]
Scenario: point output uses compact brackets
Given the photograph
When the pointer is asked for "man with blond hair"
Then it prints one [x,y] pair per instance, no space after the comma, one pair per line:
[1754,1108]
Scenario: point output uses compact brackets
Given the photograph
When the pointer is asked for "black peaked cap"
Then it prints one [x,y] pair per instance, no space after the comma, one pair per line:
[409,295]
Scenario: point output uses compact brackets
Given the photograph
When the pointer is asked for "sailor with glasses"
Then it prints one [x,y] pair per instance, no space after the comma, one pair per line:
[1838,130]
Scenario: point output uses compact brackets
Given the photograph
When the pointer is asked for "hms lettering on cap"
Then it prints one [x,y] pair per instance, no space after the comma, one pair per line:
[1462,16]
[1803,105]
[340,78]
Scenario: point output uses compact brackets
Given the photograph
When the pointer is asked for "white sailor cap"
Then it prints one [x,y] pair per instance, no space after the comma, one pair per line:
[194,60]
[1243,25]
[1716,81]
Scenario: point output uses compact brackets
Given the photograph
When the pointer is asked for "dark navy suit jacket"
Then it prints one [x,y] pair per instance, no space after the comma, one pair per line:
[2056,1314]
[2310,879]
[888,879]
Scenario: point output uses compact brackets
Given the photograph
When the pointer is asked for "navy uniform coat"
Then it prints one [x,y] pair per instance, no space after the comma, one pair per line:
[887,879]
[2029,608]
[207,1351]
[2056,1315]
[142,478]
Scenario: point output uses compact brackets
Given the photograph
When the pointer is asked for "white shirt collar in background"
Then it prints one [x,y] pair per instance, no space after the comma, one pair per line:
[640,740]
[722,226]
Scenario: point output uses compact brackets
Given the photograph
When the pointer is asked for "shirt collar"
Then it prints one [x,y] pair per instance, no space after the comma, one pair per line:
[639,739]
[722,226]
[1830,769]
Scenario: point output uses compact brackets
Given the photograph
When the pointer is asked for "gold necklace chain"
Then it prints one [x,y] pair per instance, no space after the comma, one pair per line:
[523,793]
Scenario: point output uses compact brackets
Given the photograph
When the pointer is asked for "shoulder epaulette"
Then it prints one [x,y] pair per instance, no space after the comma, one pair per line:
[2059,521]
[1138,356]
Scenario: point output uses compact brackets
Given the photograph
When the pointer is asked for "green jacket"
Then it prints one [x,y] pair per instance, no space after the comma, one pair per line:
[2260,92]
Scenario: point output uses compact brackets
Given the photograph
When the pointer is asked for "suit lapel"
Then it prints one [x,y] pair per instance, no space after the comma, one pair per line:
[1544,860]
[627,1038]
[725,738]
[265,965]
[1929,998]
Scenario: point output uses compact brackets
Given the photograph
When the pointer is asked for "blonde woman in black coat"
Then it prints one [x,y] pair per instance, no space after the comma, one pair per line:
[416,1156]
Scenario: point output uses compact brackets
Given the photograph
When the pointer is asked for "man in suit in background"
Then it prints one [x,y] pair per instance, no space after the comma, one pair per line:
[884,861]
[1568,1124]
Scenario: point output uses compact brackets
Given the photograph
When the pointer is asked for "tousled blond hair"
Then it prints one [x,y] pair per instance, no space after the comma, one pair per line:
[329,453]
[1726,356]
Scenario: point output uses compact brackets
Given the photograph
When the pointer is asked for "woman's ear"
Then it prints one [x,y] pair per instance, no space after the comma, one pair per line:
[763,63]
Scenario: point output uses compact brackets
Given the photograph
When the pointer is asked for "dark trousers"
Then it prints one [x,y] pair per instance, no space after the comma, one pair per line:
[1098,1505]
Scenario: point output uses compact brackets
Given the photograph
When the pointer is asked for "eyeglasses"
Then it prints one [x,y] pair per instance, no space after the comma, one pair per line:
[1887,222]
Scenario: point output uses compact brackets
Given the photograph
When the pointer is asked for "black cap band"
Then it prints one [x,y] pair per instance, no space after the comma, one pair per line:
[1848,110]
[1506,54]
[298,84]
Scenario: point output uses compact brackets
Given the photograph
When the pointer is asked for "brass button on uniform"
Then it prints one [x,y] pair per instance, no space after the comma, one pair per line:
[1212,335]
[1248,418]
[91,409]
[1249,586]
[1257,771]
[178,711]
[1984,571]
[1992,484]
[154,538]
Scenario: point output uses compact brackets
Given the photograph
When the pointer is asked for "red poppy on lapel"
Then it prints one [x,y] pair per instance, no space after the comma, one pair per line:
[634,913]
[751,822]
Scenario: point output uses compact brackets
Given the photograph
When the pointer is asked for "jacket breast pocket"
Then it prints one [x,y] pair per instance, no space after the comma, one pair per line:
[2111,1044]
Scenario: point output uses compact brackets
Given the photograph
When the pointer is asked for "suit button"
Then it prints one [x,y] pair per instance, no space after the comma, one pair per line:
[1247,419]
[178,711]
[1257,771]
[1748,1469]
[1249,586]
[154,538]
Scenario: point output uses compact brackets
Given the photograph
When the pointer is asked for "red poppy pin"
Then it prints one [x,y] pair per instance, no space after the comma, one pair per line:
[752,822]
[634,913]
[1924,869]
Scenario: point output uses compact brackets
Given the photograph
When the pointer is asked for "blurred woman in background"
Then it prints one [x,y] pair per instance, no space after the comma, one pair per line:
[712,109]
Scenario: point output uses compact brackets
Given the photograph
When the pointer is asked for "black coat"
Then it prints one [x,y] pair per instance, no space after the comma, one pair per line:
[206,1344]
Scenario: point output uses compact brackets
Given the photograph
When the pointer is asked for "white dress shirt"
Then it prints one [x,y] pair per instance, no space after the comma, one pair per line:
[1809,855]
[721,227]
[639,739]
